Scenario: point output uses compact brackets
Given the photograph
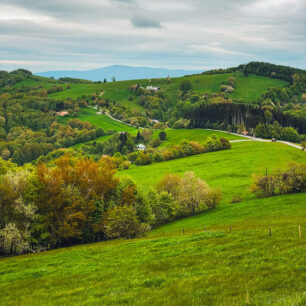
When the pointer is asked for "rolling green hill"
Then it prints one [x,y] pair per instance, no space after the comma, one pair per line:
[247,90]
[101,121]
[230,169]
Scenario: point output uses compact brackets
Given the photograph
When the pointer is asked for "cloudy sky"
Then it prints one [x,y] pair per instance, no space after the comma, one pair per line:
[197,34]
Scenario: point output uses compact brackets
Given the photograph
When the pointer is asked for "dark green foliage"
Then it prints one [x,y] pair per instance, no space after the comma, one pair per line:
[74,81]
[162,135]
[185,85]
[269,131]
[271,70]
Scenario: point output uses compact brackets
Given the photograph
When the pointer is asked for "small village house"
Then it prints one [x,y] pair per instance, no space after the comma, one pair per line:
[141,147]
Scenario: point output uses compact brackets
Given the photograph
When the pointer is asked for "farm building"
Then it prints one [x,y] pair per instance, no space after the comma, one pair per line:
[151,88]
[62,114]
[141,147]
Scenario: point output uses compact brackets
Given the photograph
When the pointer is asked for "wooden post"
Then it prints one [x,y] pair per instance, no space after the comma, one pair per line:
[270,234]
[183,231]
[230,229]
[300,232]
[247,298]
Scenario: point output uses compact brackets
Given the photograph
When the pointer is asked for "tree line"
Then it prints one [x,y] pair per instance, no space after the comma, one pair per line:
[77,200]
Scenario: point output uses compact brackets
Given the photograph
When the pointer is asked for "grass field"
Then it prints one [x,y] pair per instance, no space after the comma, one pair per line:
[230,169]
[175,136]
[207,264]
[199,267]
[38,81]
[102,121]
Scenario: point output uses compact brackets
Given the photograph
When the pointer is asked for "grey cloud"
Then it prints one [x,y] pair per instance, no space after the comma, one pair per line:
[195,33]
[145,22]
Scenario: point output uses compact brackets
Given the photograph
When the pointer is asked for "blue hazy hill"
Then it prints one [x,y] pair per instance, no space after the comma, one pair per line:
[119,72]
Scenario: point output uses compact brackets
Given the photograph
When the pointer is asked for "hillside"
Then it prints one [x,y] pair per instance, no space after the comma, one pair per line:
[206,264]
[120,73]
[248,88]
[231,169]
[85,166]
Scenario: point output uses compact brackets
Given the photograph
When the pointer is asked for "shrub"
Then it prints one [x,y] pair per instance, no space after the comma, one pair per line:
[290,181]
[185,85]
[192,193]
[170,183]
[126,165]
[236,199]
[162,135]
[121,221]
[225,144]
[263,185]
[213,197]
[155,142]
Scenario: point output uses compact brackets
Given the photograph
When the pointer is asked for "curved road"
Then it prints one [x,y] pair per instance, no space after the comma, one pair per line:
[248,138]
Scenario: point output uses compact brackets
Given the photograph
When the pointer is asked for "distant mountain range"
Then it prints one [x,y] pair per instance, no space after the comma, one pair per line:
[119,72]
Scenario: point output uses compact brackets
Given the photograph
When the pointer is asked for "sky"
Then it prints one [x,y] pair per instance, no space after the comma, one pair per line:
[42,35]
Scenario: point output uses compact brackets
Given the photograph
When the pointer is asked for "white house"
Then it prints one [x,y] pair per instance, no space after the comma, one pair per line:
[151,88]
[141,147]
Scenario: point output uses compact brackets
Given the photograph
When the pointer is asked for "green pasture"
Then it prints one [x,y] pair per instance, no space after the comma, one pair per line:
[231,170]
[101,121]
[248,88]
[175,136]
[205,265]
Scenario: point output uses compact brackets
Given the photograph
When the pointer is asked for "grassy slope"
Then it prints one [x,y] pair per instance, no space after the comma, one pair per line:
[211,267]
[38,81]
[229,169]
[248,88]
[207,267]
[102,121]
[175,136]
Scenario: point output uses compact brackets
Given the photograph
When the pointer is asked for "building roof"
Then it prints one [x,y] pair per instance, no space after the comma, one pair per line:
[141,146]
[63,113]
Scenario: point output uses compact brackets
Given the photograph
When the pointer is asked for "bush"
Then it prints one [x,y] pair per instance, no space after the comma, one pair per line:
[155,142]
[185,85]
[162,135]
[126,165]
[191,193]
[290,181]
[225,144]
[121,221]
[213,197]
[236,199]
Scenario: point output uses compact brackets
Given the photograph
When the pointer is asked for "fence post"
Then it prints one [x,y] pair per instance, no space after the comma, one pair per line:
[300,232]
[270,233]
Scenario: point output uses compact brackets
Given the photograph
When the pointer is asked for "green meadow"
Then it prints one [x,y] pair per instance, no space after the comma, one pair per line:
[208,264]
[248,88]
[102,121]
[175,136]
[231,170]
[219,257]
